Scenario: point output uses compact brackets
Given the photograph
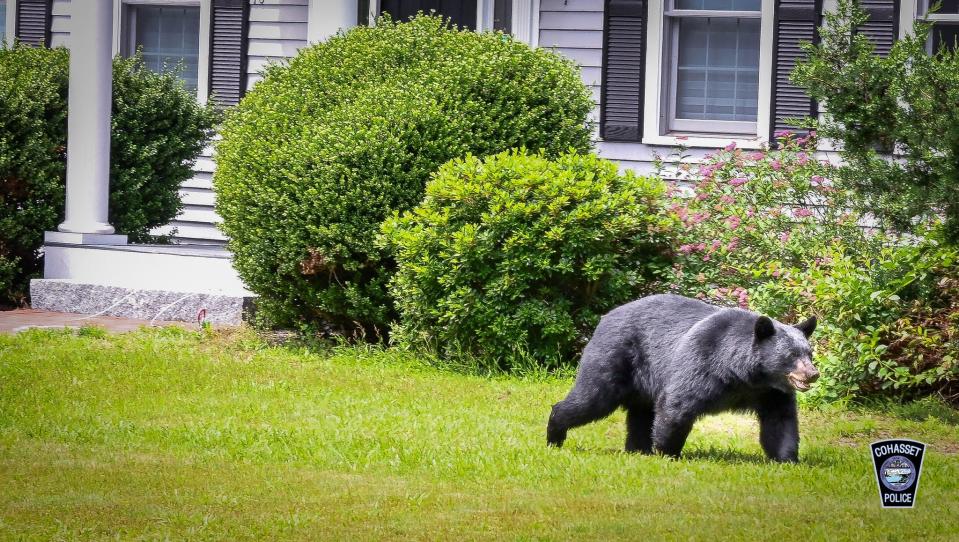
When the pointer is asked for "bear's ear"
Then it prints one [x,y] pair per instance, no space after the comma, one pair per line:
[764,328]
[808,326]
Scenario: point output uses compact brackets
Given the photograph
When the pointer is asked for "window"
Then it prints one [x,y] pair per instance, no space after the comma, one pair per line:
[503,15]
[3,21]
[945,30]
[517,17]
[711,66]
[462,13]
[168,36]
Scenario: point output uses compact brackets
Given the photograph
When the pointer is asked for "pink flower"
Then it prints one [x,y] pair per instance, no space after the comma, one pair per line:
[731,146]
[733,222]
[776,165]
[727,199]
[817,180]
[782,133]
[733,244]
[687,249]
[777,273]
[701,196]
[784,237]
[750,212]
[756,156]
[738,181]
[715,246]
[802,158]
[802,213]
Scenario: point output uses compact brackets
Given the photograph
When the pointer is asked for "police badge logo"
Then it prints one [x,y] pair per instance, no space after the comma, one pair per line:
[898,463]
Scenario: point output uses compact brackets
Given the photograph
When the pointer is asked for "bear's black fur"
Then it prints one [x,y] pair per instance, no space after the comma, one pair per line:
[669,359]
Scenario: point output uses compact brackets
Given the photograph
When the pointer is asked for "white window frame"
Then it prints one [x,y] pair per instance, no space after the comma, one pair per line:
[122,35]
[10,22]
[656,109]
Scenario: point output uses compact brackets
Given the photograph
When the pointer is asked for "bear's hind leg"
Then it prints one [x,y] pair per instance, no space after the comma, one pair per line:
[639,429]
[779,426]
[579,408]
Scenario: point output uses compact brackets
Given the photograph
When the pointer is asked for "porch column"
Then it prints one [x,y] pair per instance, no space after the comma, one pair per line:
[88,123]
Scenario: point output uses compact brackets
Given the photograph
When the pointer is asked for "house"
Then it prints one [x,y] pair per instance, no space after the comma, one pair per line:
[699,73]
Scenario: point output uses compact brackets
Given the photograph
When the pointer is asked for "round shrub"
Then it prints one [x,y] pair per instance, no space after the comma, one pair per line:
[509,261]
[322,150]
[158,129]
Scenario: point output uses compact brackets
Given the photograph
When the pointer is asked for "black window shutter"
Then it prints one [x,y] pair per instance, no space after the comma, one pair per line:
[796,22]
[230,21]
[624,52]
[33,22]
[882,28]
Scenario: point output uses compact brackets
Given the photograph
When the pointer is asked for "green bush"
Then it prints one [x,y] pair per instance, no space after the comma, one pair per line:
[157,131]
[509,261]
[891,318]
[326,147]
[772,231]
[907,101]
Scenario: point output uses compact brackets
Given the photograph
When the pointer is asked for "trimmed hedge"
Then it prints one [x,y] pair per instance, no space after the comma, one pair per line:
[322,150]
[510,261]
[158,129]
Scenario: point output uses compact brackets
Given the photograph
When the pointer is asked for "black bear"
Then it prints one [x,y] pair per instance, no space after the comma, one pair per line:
[669,359]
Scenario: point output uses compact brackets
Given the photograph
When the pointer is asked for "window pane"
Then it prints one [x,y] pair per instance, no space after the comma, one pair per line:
[3,21]
[948,6]
[721,5]
[944,35]
[170,37]
[503,15]
[717,70]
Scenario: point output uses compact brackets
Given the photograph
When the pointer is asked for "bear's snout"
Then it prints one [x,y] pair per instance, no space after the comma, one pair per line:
[804,374]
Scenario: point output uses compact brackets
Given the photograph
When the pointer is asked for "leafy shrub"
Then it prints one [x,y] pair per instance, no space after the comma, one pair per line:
[754,215]
[321,151]
[907,101]
[892,319]
[510,260]
[157,131]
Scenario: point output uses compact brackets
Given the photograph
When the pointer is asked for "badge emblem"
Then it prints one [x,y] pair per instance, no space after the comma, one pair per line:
[898,463]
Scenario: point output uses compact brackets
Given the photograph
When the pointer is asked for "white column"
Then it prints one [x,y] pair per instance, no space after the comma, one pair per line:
[88,123]
[327,17]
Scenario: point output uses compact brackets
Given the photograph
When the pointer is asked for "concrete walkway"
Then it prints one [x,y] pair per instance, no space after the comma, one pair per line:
[20,319]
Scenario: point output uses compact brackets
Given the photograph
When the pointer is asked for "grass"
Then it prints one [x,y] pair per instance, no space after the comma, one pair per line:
[174,434]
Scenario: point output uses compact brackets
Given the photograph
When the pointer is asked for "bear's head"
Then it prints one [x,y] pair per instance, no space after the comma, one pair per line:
[785,353]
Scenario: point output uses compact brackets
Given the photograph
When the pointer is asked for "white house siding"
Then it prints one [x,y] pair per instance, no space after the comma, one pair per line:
[60,23]
[277,30]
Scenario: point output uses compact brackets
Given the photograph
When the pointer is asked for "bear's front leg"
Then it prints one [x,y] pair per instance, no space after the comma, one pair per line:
[779,426]
[670,432]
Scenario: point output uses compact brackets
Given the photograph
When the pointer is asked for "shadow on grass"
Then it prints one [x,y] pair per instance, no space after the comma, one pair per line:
[715,454]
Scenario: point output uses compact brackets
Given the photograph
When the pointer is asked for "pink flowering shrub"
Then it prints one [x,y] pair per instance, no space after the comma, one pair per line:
[754,216]
[769,231]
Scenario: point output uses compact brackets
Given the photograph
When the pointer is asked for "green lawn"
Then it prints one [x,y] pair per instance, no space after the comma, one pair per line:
[172,434]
